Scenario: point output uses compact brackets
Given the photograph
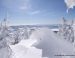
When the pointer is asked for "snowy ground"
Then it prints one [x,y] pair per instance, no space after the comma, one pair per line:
[42,43]
[52,44]
[24,49]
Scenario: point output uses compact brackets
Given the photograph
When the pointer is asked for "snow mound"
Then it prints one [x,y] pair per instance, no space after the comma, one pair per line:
[51,44]
[24,49]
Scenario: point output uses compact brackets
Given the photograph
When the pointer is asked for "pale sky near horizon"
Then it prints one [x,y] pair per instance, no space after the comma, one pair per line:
[29,12]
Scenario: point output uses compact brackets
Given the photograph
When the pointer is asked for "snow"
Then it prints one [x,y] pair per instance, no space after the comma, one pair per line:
[42,43]
[69,4]
[51,44]
[24,49]
[55,29]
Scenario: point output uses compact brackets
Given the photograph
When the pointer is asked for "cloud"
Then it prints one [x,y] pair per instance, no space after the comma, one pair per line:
[20,6]
[35,12]
[16,5]
[23,8]
[69,4]
[26,5]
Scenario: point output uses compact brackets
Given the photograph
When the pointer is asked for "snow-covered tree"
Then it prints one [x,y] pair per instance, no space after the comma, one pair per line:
[4,47]
[71,32]
[66,30]
[24,33]
[16,37]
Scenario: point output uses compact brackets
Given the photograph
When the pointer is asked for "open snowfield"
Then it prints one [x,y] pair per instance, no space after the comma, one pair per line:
[42,43]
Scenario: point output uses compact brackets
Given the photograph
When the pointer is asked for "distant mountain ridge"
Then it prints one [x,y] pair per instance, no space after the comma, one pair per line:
[30,26]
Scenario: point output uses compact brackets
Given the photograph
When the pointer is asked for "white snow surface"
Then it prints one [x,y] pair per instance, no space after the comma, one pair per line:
[24,49]
[56,29]
[43,43]
[52,44]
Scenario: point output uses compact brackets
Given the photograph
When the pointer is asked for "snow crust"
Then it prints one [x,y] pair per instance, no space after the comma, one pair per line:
[42,43]
[51,44]
[24,49]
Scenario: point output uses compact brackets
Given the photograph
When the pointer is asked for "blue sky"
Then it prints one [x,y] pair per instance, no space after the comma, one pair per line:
[29,12]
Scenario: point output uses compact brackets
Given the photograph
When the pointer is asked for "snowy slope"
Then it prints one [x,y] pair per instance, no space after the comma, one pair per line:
[51,44]
[43,43]
[24,49]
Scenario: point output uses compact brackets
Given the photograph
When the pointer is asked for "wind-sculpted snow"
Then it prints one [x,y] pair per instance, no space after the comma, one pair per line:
[52,45]
[24,49]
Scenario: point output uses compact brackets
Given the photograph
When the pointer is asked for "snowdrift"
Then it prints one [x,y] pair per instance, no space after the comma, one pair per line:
[52,45]
[24,49]
[43,43]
